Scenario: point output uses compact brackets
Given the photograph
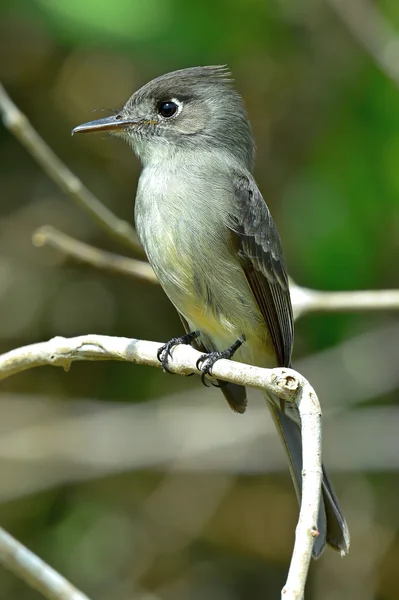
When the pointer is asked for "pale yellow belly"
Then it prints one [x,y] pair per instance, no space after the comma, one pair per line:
[220,332]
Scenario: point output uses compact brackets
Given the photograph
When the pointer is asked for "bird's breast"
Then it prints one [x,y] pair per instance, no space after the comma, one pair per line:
[188,245]
[170,225]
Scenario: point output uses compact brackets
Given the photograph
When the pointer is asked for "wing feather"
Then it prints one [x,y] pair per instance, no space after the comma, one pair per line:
[263,262]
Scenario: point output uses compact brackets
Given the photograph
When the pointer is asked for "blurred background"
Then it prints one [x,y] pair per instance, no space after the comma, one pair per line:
[135,484]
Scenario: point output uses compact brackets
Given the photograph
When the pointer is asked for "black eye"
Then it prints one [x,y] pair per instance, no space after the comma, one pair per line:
[167,109]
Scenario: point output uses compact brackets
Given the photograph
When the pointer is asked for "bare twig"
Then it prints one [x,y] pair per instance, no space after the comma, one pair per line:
[62,352]
[19,125]
[311,480]
[285,383]
[31,569]
[48,235]
[373,32]
[305,300]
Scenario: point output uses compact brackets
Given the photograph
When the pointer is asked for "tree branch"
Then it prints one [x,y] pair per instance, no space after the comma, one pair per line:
[49,236]
[36,573]
[285,383]
[306,301]
[373,32]
[312,477]
[19,125]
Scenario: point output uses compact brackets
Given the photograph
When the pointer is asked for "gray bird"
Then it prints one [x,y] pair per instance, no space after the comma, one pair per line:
[212,242]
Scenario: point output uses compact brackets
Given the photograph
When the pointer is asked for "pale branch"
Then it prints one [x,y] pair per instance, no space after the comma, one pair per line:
[101,259]
[377,36]
[286,383]
[22,129]
[306,300]
[62,352]
[35,572]
[312,477]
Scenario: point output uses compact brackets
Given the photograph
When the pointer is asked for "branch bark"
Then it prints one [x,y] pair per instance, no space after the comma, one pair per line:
[285,383]
[306,301]
[96,257]
[312,477]
[39,575]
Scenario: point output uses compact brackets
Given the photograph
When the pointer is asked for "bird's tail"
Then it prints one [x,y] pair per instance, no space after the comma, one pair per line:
[331,524]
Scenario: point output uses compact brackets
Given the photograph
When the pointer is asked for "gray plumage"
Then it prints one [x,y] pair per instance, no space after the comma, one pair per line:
[211,240]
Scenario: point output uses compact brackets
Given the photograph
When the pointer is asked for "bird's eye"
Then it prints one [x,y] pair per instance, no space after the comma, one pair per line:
[167,109]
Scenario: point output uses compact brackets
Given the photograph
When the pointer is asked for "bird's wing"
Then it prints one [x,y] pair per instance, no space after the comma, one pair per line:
[258,244]
[257,241]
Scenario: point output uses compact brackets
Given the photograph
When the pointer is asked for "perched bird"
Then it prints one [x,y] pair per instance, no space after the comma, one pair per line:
[212,242]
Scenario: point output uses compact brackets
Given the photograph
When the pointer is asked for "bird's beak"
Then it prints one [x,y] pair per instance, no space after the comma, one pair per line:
[114,123]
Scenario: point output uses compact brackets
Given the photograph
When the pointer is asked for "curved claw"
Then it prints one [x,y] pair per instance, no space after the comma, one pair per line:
[206,362]
[163,355]
[165,367]
[201,359]
[164,352]
[161,351]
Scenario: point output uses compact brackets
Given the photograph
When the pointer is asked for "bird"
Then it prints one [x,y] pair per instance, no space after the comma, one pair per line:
[213,244]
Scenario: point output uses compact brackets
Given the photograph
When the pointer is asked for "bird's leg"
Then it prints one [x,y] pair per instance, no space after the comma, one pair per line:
[206,361]
[164,352]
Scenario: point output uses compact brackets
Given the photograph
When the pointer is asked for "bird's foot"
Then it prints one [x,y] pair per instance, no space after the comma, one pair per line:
[206,362]
[164,352]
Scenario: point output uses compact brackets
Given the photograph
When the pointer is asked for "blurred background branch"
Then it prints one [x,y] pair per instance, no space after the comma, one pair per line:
[373,31]
[35,572]
[304,300]
[19,125]
[309,301]
[47,235]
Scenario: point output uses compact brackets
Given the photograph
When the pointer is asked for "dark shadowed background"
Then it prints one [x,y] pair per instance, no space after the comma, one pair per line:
[135,484]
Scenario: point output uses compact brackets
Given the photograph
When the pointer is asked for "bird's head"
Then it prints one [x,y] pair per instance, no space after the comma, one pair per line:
[190,109]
